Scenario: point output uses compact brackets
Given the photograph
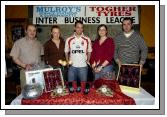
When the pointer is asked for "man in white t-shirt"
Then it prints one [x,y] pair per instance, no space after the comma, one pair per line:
[77,50]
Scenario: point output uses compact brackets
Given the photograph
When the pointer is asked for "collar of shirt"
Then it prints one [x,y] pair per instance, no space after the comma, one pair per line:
[77,37]
[30,39]
[128,34]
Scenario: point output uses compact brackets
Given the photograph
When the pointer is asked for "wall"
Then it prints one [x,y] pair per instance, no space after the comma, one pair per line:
[147,24]
[16,11]
[14,15]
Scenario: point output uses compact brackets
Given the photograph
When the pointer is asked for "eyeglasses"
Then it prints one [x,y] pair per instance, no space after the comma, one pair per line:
[102,30]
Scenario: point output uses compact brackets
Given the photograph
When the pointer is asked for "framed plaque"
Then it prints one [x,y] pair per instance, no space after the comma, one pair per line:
[129,77]
[52,79]
[36,75]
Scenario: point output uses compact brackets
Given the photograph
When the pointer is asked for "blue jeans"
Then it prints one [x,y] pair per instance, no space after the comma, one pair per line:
[103,72]
[77,72]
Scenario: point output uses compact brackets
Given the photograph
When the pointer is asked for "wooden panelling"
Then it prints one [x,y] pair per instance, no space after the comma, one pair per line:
[147,24]
[16,11]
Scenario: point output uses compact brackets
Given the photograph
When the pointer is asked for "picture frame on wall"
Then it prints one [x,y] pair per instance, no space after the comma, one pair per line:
[129,77]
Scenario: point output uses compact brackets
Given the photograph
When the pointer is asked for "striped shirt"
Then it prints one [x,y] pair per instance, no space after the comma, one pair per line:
[130,50]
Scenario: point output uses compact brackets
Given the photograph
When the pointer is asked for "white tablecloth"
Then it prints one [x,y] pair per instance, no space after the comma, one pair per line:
[143,98]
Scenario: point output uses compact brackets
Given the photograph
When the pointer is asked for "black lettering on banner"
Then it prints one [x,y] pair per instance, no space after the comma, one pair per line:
[121,19]
[95,19]
[117,19]
[66,20]
[133,18]
[46,20]
[109,19]
[98,19]
[88,20]
[113,19]
[54,20]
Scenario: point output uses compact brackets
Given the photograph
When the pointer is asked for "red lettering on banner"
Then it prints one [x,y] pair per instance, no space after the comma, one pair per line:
[128,13]
[92,8]
[113,10]
[100,9]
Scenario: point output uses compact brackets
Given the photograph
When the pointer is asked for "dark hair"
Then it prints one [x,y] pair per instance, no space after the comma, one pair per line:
[128,18]
[98,28]
[31,25]
[78,22]
[54,26]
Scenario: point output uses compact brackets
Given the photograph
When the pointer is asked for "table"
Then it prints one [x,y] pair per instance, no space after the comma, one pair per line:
[143,98]
[92,98]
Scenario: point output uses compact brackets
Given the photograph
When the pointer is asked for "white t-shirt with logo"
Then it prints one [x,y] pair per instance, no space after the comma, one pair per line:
[78,49]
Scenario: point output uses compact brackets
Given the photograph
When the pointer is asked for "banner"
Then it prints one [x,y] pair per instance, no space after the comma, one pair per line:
[49,15]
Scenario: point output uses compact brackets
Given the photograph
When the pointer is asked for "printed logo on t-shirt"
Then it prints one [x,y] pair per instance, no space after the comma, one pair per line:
[77,51]
[82,43]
